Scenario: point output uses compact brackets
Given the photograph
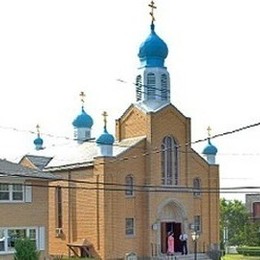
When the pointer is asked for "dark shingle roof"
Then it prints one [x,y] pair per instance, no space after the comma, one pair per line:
[11,169]
[39,161]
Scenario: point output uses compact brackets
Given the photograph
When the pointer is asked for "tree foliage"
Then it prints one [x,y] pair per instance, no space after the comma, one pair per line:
[235,218]
[25,249]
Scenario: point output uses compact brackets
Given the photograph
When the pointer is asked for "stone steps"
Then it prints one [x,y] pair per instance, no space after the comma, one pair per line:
[200,256]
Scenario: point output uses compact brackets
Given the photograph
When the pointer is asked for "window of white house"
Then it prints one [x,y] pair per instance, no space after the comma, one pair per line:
[2,240]
[11,192]
[196,187]
[4,191]
[14,234]
[15,192]
[8,236]
[32,236]
[169,161]
[129,226]
[129,183]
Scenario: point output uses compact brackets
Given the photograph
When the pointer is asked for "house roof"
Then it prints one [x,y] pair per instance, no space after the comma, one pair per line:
[75,155]
[39,161]
[10,169]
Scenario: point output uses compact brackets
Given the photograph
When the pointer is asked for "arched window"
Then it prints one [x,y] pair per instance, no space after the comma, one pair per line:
[169,161]
[196,187]
[197,223]
[129,183]
[58,207]
[164,87]
[150,86]
[138,90]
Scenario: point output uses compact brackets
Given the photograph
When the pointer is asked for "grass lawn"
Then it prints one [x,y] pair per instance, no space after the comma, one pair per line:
[240,257]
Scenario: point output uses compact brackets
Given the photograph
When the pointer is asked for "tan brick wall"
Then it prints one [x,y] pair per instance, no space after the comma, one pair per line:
[119,206]
[80,214]
[132,124]
[96,210]
[208,202]
[33,214]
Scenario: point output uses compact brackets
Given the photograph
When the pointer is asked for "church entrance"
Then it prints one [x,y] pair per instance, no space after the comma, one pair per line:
[167,227]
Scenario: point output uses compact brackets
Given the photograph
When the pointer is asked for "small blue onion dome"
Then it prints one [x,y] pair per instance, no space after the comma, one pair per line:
[38,141]
[105,138]
[210,149]
[153,51]
[83,120]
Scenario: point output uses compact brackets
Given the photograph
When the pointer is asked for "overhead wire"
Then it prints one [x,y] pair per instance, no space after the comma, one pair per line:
[186,144]
[156,150]
[108,186]
[226,133]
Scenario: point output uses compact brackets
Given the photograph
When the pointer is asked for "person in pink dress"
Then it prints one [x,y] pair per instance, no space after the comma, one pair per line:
[170,250]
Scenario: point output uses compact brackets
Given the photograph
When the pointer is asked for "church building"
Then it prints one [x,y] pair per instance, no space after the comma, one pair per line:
[118,197]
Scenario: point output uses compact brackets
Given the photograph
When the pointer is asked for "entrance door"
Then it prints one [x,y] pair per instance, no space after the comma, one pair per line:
[167,227]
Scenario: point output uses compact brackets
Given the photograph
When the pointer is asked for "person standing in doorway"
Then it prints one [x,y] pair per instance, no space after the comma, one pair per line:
[183,238]
[170,241]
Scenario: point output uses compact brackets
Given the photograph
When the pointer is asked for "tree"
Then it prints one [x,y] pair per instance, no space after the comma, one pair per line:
[252,235]
[25,249]
[235,219]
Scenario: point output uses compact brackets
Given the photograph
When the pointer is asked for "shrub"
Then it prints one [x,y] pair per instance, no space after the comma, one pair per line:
[25,249]
[248,251]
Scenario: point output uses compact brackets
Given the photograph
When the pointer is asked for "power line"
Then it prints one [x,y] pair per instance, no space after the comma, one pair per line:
[227,133]
[91,140]
[154,150]
[137,188]
[152,88]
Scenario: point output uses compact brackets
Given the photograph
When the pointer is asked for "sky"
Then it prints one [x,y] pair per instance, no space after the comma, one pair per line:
[52,50]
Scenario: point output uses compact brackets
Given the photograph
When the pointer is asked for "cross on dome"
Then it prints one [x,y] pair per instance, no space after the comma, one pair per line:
[152,9]
[82,97]
[38,129]
[105,118]
[209,131]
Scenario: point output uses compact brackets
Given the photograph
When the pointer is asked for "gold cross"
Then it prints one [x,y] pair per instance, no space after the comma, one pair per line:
[105,117]
[38,129]
[209,131]
[153,7]
[82,97]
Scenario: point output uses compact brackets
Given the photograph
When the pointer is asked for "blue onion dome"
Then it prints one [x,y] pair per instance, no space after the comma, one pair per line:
[83,120]
[105,138]
[153,51]
[210,149]
[38,141]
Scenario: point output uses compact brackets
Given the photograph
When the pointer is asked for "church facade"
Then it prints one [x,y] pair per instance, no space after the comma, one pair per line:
[121,196]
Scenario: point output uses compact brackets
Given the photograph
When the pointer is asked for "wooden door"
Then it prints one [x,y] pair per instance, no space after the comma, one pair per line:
[174,227]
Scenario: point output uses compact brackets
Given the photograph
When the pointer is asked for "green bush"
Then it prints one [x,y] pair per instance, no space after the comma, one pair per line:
[25,249]
[249,250]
